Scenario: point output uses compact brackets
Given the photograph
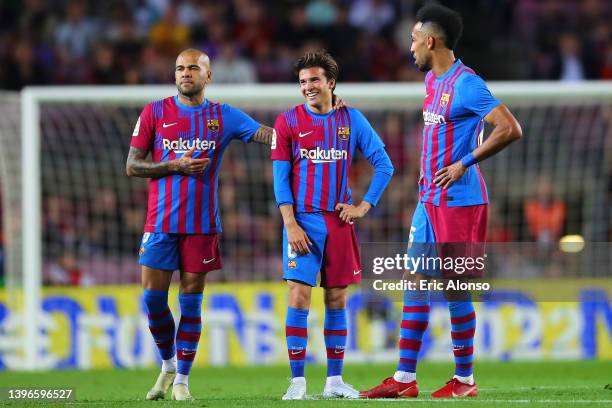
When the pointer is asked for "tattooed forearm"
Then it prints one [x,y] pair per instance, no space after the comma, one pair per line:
[137,166]
[263,135]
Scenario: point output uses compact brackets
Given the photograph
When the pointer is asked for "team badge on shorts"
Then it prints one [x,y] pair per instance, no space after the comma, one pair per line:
[213,125]
[344,133]
[292,264]
[142,250]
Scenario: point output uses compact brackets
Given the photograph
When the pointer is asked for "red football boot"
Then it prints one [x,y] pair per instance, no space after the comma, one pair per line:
[455,388]
[392,389]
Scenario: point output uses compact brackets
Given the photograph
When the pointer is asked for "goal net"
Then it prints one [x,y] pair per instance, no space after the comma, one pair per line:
[71,217]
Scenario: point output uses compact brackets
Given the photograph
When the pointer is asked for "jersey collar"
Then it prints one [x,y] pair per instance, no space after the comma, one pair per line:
[190,108]
[451,71]
[318,115]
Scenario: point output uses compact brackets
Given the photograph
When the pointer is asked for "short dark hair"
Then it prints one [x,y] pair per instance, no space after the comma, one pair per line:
[320,59]
[447,20]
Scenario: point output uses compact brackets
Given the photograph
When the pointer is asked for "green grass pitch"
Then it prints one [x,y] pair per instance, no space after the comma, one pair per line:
[501,384]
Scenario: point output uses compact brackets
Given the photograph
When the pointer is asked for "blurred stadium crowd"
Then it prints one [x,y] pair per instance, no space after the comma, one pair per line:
[93,227]
[92,230]
[136,41]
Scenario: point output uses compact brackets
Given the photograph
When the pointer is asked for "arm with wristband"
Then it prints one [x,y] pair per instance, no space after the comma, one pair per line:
[469,160]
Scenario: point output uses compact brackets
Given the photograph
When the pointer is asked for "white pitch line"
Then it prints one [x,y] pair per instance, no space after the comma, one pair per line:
[477,400]
[543,387]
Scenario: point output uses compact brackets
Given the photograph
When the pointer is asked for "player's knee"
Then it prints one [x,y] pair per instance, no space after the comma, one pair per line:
[299,295]
[192,282]
[155,279]
[299,301]
[457,296]
[192,287]
[335,298]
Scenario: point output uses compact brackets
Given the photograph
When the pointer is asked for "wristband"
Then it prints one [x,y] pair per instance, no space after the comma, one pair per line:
[469,160]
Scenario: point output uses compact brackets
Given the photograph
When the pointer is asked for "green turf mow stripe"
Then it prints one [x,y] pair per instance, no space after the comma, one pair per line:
[509,384]
[476,400]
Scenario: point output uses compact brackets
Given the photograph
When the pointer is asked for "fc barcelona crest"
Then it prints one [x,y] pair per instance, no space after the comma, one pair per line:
[213,125]
[444,99]
[344,133]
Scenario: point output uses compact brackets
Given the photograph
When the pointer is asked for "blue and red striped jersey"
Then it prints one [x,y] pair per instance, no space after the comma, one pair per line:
[454,108]
[167,128]
[319,148]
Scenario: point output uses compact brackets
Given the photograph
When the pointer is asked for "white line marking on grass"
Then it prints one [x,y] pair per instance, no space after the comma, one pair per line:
[477,400]
[534,388]
[474,400]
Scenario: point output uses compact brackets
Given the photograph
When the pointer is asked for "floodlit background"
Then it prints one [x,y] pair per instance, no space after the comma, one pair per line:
[136,41]
[556,182]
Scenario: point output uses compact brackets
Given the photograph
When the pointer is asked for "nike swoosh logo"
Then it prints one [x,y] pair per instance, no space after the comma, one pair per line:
[357,272]
[338,351]
[188,353]
[207,261]
[168,125]
[305,134]
[296,352]
[462,395]
[402,392]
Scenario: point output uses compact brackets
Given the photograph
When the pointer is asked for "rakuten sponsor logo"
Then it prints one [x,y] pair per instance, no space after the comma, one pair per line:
[182,145]
[431,118]
[319,155]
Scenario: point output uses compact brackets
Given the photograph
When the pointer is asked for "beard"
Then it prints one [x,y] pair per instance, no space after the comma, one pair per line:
[424,67]
[195,89]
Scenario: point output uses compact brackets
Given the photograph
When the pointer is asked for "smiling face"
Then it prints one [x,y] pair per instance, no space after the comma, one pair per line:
[422,47]
[192,73]
[316,88]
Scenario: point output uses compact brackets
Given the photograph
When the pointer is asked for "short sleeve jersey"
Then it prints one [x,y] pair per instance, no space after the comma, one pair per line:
[454,108]
[179,203]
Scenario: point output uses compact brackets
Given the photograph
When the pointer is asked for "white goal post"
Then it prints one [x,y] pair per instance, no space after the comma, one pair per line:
[384,95]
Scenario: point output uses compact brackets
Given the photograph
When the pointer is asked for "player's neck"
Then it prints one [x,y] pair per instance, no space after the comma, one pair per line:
[194,100]
[322,109]
[442,62]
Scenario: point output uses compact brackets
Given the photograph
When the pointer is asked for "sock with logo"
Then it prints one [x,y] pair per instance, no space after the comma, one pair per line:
[335,340]
[161,325]
[463,327]
[415,318]
[188,333]
[296,332]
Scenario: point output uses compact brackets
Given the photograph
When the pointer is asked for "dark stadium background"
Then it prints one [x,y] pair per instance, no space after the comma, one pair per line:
[556,182]
[136,41]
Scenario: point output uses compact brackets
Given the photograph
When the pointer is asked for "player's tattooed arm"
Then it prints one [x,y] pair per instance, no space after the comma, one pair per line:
[264,135]
[138,166]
